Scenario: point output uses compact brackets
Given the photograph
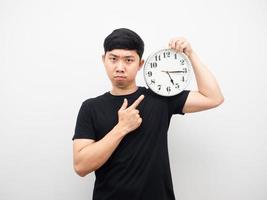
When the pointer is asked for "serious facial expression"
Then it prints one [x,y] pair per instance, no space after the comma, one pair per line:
[122,66]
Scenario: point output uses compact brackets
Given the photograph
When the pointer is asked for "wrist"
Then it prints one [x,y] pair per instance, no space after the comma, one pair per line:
[120,130]
[192,54]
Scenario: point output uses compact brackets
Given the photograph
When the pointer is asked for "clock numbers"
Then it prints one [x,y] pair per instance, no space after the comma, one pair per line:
[183,79]
[168,89]
[166,54]
[149,73]
[153,65]
[159,87]
[185,70]
[177,85]
[175,56]
[152,81]
[182,62]
[157,58]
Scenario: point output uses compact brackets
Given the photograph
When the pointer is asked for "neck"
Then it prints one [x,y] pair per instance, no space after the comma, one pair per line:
[123,91]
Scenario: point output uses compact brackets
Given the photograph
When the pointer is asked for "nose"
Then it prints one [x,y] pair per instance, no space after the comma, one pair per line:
[120,67]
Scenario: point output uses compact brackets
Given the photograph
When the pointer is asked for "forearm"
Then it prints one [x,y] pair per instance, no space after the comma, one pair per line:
[206,82]
[94,155]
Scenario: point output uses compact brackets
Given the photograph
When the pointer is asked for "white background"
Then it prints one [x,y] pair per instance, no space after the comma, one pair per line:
[50,61]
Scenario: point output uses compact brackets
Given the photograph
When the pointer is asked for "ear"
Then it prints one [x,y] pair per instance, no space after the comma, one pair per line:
[141,64]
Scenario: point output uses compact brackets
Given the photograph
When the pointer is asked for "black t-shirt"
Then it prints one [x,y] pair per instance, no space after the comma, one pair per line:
[139,167]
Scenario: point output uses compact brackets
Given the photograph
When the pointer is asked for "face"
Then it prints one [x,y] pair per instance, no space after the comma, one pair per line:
[122,66]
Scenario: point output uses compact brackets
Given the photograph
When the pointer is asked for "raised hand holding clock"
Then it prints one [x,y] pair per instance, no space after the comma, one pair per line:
[180,44]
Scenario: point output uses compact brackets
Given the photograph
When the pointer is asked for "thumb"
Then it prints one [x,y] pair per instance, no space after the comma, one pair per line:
[124,105]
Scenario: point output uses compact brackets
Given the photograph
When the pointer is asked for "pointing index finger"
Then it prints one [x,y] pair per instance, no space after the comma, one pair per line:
[137,101]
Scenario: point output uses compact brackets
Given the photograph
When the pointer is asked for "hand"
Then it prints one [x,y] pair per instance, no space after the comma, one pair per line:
[129,118]
[181,45]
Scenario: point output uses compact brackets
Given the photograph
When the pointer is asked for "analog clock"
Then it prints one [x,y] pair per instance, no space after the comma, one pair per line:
[167,72]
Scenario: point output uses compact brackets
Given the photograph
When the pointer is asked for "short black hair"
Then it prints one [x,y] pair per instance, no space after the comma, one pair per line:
[124,38]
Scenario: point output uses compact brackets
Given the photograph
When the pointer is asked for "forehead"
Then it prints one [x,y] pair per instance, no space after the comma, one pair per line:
[122,53]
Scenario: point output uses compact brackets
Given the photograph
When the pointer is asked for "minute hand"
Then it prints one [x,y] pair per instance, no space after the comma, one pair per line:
[174,71]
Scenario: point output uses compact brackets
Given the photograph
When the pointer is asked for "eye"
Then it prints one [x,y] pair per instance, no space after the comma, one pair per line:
[112,59]
[129,60]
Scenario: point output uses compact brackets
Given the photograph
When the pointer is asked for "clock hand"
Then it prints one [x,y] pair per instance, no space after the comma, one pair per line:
[174,71]
[170,78]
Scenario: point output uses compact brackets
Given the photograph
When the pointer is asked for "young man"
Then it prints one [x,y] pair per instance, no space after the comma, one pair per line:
[122,134]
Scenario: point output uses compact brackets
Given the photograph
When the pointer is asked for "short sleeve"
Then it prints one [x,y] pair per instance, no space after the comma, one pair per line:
[176,103]
[84,128]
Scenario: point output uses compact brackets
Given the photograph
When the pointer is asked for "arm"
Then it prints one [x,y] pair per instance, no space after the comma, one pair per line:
[89,155]
[209,94]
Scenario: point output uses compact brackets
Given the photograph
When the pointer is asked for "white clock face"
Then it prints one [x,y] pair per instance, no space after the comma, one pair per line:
[167,72]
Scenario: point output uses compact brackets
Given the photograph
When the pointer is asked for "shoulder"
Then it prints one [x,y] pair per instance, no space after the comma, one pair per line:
[148,92]
[153,99]
[93,101]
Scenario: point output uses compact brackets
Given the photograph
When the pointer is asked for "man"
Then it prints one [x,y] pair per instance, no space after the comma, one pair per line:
[122,134]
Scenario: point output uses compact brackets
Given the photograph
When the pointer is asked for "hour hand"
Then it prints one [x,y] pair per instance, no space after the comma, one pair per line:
[170,77]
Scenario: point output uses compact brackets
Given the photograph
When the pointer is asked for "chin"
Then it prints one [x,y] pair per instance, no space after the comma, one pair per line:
[121,85]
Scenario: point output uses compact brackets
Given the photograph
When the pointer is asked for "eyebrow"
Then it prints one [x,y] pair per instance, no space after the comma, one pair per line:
[130,56]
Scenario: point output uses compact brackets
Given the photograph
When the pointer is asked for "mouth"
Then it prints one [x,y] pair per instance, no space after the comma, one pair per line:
[119,78]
